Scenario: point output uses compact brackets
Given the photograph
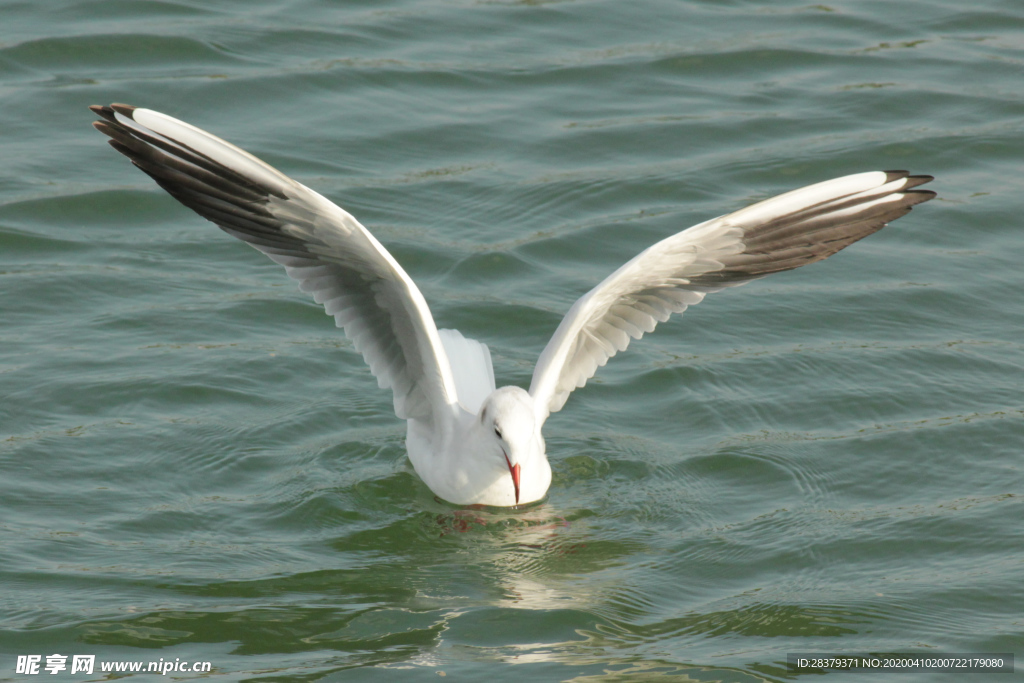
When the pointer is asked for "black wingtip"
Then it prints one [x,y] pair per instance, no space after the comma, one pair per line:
[911,180]
[104,127]
[915,180]
[103,112]
[122,148]
[916,197]
[123,109]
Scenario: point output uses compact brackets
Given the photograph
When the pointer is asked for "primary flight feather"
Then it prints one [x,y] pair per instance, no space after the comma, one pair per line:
[470,442]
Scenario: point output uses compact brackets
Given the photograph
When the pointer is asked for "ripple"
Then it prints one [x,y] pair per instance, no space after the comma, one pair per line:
[72,53]
[195,460]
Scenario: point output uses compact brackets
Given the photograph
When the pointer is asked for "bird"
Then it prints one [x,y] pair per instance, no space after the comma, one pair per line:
[473,443]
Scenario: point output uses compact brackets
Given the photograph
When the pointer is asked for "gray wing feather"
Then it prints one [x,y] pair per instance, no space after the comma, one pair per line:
[325,249]
[782,233]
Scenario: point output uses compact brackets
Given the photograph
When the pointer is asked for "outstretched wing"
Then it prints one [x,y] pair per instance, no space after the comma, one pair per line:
[782,233]
[321,246]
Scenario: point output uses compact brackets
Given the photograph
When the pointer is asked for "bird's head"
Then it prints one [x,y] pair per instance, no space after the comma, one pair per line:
[507,420]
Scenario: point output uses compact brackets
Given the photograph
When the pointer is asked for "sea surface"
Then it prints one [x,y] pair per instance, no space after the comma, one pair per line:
[196,465]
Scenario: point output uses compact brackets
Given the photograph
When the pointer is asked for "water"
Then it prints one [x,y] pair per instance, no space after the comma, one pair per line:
[197,465]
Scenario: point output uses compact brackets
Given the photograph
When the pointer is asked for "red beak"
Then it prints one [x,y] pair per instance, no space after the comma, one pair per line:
[514,471]
[515,480]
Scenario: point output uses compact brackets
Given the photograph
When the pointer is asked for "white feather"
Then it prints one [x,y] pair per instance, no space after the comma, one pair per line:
[472,443]
[344,267]
[666,278]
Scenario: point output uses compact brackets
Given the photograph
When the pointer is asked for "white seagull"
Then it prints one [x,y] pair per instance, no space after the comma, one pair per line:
[472,443]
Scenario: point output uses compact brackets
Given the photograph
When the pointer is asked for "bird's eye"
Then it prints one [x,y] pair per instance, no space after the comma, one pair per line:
[497,432]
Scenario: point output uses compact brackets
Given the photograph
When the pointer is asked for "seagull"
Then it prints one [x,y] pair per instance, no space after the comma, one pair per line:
[470,442]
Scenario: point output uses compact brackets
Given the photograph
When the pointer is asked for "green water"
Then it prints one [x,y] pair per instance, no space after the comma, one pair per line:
[196,465]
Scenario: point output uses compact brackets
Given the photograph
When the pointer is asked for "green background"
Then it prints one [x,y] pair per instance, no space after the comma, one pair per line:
[195,464]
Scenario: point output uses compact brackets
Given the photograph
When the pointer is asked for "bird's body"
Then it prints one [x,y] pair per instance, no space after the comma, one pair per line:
[458,462]
[470,442]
